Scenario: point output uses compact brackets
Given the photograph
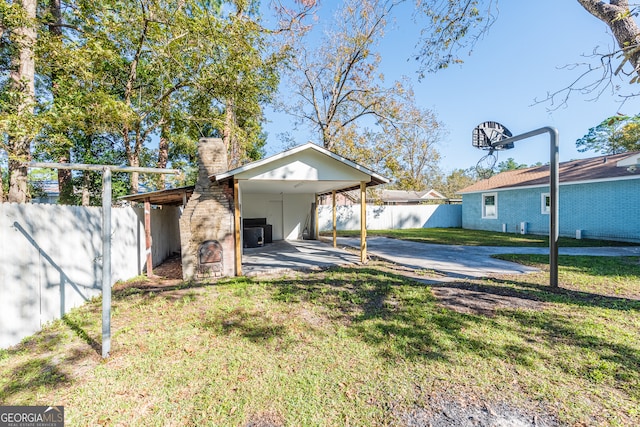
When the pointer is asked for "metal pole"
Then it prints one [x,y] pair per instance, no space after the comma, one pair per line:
[106,262]
[100,168]
[554,183]
[553,200]
[106,230]
[363,222]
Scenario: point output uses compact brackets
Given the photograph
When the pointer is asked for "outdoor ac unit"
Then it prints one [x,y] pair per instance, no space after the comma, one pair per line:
[578,234]
[523,228]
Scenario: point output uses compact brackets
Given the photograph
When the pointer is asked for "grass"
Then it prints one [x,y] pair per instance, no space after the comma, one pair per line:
[459,236]
[349,346]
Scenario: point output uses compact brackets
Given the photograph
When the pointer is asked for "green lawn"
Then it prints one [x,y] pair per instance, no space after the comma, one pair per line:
[459,236]
[351,346]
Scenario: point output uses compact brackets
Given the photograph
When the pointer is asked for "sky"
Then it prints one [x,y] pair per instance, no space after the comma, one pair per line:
[518,61]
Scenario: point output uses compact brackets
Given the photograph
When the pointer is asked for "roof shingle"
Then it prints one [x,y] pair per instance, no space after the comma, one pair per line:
[595,168]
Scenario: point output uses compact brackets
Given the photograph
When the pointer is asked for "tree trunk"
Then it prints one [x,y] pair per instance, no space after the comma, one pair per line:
[22,81]
[622,23]
[18,179]
[134,161]
[86,186]
[65,184]
[163,153]
[228,136]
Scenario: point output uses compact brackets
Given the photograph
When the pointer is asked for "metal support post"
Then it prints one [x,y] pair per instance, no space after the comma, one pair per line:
[106,230]
[554,183]
[106,262]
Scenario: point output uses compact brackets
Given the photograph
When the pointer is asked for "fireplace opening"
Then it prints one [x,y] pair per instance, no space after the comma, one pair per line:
[210,255]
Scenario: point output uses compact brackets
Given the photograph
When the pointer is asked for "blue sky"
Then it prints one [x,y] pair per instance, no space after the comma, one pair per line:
[517,62]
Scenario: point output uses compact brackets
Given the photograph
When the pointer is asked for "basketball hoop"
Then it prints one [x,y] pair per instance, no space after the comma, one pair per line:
[485,166]
[487,134]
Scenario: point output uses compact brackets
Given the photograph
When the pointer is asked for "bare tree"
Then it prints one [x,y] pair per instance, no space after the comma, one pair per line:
[620,20]
[338,83]
[451,27]
[603,70]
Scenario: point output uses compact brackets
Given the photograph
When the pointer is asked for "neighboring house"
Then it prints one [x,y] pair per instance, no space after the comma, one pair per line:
[389,197]
[403,197]
[598,198]
[45,191]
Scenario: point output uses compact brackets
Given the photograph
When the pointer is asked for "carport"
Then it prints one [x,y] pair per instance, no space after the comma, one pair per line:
[283,191]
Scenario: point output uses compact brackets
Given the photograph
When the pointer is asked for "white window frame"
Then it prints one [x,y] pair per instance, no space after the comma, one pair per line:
[495,206]
[544,209]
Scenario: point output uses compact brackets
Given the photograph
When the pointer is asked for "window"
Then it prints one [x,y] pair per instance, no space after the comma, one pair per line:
[545,203]
[490,205]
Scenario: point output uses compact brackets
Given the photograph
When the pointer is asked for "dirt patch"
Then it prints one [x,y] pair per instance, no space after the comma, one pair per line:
[448,412]
[474,299]
[464,296]
[166,275]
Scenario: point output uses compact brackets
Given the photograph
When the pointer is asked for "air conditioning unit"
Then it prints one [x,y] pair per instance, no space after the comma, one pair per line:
[523,228]
[579,234]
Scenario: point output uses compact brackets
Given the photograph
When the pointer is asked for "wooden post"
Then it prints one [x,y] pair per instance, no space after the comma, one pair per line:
[147,236]
[236,216]
[334,222]
[363,222]
[317,228]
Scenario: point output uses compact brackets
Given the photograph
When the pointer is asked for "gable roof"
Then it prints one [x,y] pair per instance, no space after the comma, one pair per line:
[296,150]
[405,196]
[308,168]
[584,170]
[300,169]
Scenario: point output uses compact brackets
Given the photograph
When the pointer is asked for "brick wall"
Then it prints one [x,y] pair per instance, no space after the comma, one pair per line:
[208,215]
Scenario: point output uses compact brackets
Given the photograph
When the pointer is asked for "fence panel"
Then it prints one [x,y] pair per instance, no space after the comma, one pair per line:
[390,217]
[51,259]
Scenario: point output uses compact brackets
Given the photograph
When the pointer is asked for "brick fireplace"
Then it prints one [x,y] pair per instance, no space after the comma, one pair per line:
[207,222]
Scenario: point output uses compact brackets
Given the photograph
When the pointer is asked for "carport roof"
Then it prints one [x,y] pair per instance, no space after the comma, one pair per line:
[170,197]
[307,168]
[276,174]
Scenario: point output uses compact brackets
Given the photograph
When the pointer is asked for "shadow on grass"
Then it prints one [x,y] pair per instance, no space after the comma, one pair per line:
[78,329]
[252,325]
[545,293]
[597,266]
[402,319]
[170,290]
[383,309]
[31,375]
[41,370]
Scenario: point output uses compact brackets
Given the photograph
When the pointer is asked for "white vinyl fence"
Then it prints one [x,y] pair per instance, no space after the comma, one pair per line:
[389,217]
[51,258]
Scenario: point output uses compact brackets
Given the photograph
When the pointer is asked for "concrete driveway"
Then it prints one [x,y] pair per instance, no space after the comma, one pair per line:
[284,256]
[466,261]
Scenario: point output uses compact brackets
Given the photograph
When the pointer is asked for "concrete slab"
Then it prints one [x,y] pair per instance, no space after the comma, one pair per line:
[285,256]
[455,262]
[466,261]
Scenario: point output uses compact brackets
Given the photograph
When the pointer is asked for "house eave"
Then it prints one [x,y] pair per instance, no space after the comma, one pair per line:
[519,187]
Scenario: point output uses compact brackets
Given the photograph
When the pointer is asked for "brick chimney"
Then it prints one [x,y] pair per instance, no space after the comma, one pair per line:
[207,222]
